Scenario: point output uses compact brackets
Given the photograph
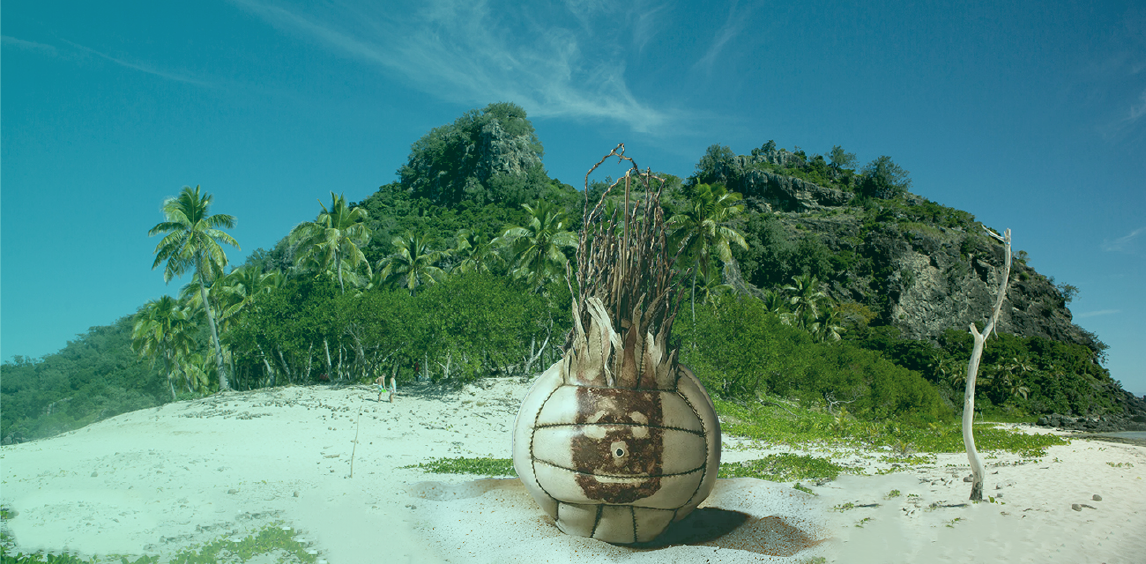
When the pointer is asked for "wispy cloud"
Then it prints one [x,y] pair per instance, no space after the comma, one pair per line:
[647,23]
[1129,243]
[27,45]
[732,27]
[470,52]
[1118,78]
[1098,313]
[1137,110]
[75,50]
[141,66]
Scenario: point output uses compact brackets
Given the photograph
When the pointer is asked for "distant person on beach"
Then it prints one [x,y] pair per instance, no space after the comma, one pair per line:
[381,383]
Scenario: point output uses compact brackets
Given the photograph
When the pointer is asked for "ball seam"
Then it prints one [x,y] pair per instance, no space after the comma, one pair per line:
[532,434]
[706,448]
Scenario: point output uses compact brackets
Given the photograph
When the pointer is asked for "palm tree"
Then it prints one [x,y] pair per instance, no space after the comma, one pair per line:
[805,295]
[413,263]
[477,253]
[704,227]
[235,292]
[829,327]
[334,239]
[192,241]
[711,288]
[775,302]
[243,285]
[953,371]
[1012,375]
[536,249]
[196,372]
[164,329]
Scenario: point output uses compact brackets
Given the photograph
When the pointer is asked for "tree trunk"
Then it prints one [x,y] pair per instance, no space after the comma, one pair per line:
[286,367]
[326,346]
[692,300]
[167,364]
[360,355]
[338,267]
[973,372]
[223,386]
[270,371]
[533,357]
[309,360]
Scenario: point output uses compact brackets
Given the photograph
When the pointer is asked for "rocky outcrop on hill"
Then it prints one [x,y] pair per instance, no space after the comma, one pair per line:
[948,278]
[503,153]
[766,189]
[920,266]
[780,192]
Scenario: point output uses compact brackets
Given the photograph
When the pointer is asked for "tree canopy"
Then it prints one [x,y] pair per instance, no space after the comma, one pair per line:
[333,241]
[484,156]
[884,179]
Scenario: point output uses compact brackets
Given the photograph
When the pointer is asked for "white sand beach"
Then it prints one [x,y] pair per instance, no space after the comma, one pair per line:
[159,480]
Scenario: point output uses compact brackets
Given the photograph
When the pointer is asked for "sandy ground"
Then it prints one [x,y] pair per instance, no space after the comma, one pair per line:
[159,480]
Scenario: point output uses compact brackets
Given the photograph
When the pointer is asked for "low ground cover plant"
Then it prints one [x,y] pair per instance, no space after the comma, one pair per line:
[275,543]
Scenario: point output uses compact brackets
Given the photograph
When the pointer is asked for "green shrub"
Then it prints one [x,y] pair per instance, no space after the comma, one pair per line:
[739,350]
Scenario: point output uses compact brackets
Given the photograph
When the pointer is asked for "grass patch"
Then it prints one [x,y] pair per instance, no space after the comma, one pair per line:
[804,488]
[923,229]
[271,539]
[777,422]
[783,468]
[780,422]
[1002,417]
[274,540]
[486,466]
[910,459]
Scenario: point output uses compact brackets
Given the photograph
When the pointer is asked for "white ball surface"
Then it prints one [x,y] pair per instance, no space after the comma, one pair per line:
[616,464]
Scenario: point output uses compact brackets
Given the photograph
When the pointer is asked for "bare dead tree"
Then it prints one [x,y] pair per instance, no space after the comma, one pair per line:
[973,370]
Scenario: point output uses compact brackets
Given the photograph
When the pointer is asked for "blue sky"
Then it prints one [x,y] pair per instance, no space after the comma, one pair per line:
[1030,115]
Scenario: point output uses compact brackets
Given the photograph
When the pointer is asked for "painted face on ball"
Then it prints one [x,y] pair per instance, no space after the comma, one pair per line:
[620,447]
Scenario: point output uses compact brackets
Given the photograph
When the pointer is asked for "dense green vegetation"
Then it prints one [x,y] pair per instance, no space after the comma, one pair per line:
[744,350]
[457,271]
[467,326]
[94,377]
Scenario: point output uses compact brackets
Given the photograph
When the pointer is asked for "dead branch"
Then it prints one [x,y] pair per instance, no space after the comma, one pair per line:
[830,397]
[973,370]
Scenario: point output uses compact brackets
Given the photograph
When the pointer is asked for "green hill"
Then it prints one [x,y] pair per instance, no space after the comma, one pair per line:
[849,291]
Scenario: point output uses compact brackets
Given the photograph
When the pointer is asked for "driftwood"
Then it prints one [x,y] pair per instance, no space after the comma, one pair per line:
[973,371]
